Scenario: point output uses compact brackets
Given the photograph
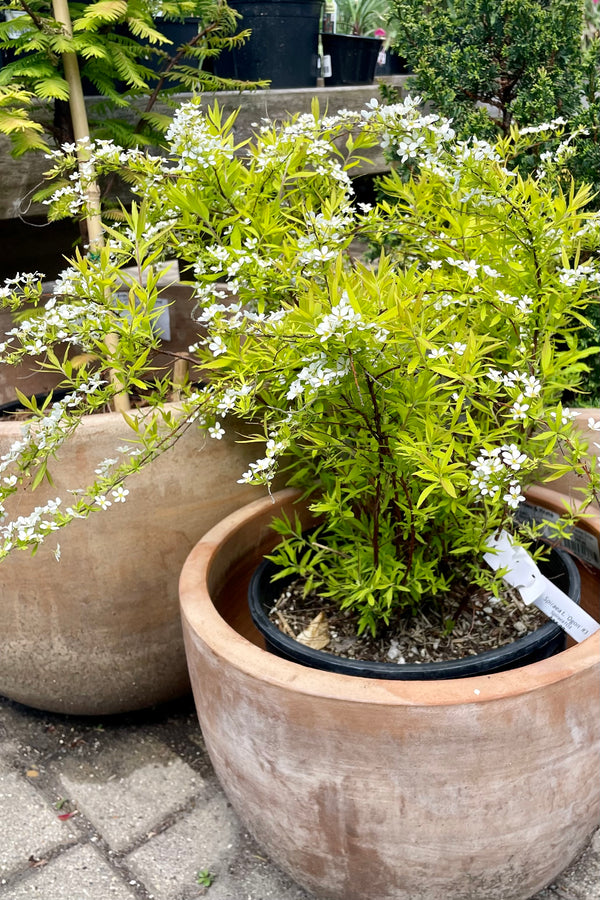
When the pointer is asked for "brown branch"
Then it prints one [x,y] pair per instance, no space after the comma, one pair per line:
[33,16]
[172,63]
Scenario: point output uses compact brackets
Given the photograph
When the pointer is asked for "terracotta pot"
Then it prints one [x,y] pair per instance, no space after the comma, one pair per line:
[568,484]
[99,632]
[481,788]
[28,377]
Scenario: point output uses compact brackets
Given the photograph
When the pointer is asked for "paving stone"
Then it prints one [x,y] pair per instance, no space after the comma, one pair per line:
[129,787]
[204,838]
[8,743]
[134,778]
[581,881]
[210,838]
[28,827]
[256,879]
[77,874]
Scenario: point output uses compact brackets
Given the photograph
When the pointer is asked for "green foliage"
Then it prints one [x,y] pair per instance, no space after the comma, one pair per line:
[362,16]
[412,401]
[205,878]
[522,58]
[123,53]
[589,339]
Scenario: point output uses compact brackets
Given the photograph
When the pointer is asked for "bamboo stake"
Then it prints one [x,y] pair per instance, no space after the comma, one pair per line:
[81,133]
[181,371]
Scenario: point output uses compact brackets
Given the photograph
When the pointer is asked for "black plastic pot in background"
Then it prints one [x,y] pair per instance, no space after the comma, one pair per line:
[15,406]
[36,245]
[178,33]
[393,65]
[353,58]
[540,644]
[283,47]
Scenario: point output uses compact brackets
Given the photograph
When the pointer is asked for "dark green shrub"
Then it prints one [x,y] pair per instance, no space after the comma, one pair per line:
[521,58]
[489,64]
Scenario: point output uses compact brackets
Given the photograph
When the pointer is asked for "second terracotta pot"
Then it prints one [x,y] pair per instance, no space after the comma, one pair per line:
[99,631]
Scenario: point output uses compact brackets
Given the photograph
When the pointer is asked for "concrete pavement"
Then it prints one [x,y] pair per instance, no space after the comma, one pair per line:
[128,808]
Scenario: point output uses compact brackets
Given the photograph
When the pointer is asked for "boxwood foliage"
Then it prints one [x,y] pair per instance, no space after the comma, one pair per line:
[491,64]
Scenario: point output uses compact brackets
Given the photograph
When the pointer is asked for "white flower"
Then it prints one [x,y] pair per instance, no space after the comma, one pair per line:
[525,303]
[217,346]
[491,272]
[512,457]
[295,389]
[566,416]
[592,424]
[73,512]
[470,267]
[437,353]
[532,385]
[120,494]
[102,502]
[514,496]
[216,431]
[505,298]
[519,409]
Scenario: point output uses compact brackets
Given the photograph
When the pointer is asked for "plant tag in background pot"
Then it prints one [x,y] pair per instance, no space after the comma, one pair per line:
[524,575]
[326,73]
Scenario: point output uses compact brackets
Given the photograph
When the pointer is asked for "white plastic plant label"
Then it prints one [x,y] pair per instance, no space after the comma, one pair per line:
[16,31]
[326,70]
[523,574]
[162,325]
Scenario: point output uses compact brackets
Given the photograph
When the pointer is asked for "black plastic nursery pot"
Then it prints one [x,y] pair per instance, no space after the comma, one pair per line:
[178,33]
[283,47]
[15,406]
[540,644]
[353,58]
[393,65]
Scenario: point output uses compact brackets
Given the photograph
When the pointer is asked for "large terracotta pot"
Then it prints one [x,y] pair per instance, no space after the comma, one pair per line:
[99,632]
[481,788]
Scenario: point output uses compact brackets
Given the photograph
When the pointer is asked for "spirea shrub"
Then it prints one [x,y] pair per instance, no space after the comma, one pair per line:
[413,400]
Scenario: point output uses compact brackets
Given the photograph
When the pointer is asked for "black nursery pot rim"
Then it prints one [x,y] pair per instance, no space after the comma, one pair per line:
[533,647]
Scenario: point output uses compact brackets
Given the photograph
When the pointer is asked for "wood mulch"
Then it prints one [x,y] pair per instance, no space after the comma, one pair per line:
[430,636]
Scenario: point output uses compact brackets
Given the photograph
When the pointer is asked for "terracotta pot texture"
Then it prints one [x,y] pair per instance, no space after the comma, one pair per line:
[27,376]
[99,632]
[481,788]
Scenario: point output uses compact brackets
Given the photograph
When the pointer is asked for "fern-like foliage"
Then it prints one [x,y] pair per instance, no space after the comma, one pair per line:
[124,55]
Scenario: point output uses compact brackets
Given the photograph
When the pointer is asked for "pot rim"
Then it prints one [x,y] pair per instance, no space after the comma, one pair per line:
[91,422]
[221,640]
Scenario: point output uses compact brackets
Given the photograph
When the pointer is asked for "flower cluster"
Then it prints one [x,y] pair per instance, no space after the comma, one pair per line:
[494,472]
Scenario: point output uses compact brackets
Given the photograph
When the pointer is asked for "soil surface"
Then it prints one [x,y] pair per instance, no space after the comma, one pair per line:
[485,624]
